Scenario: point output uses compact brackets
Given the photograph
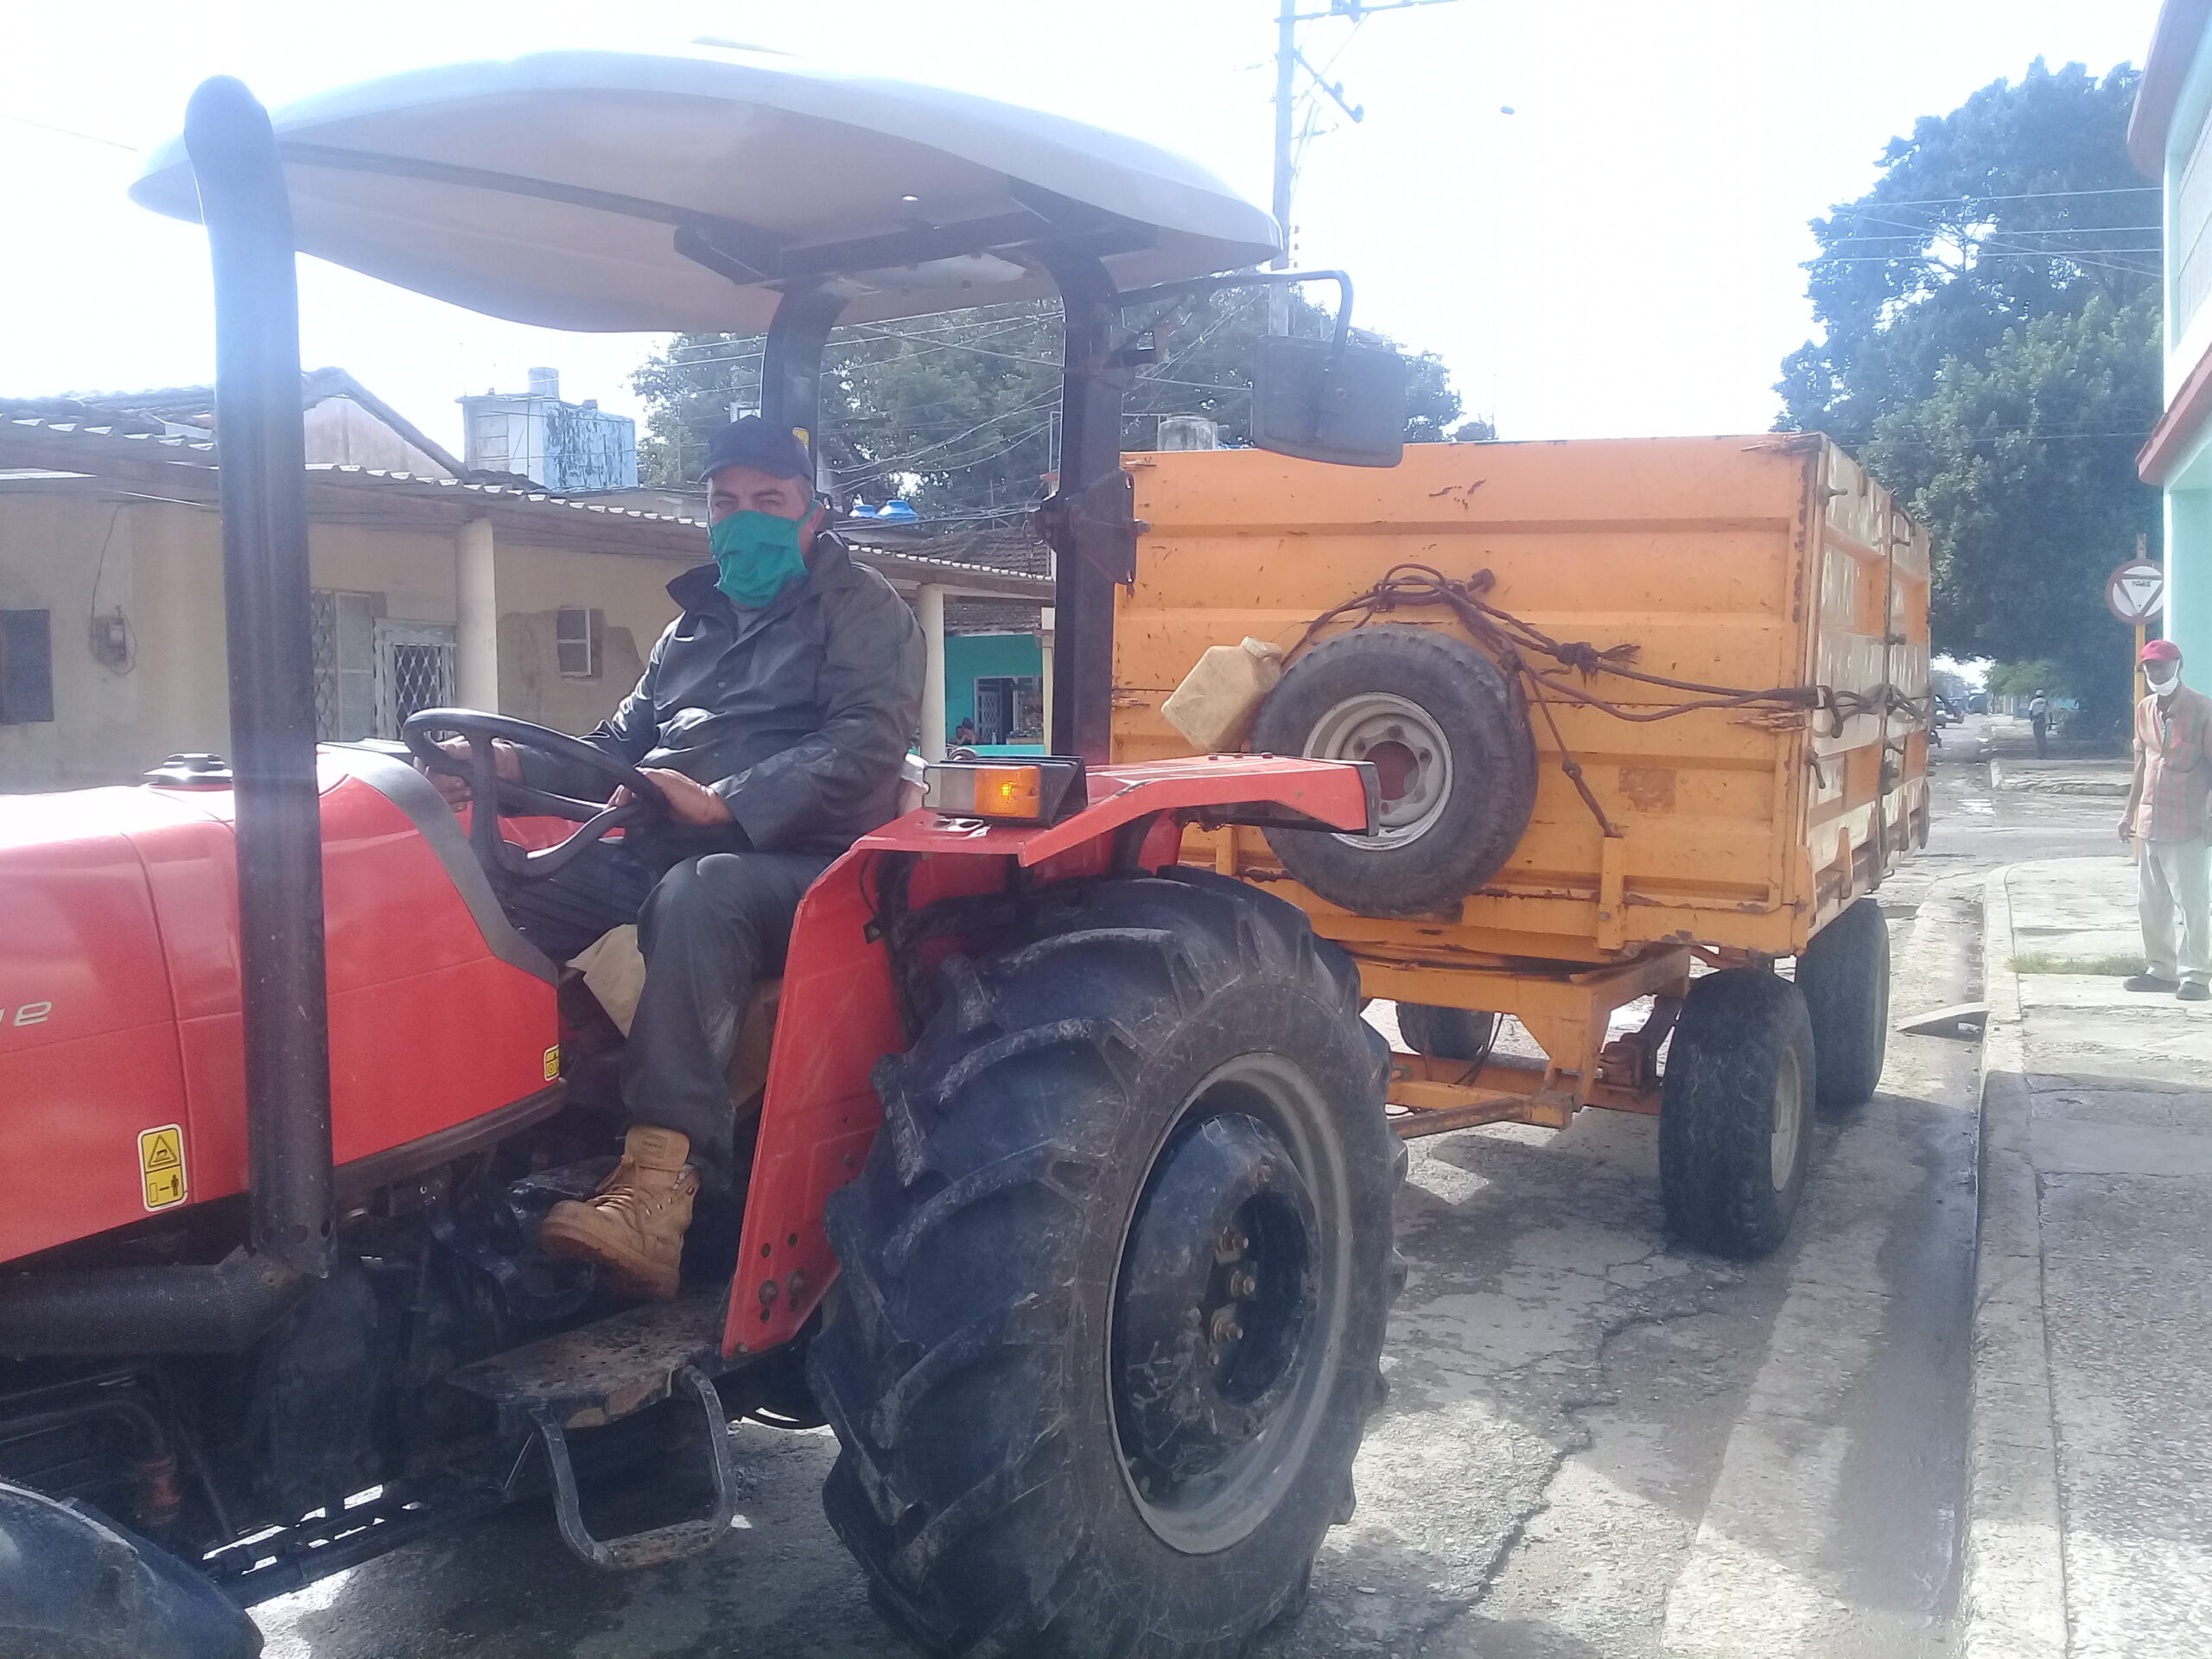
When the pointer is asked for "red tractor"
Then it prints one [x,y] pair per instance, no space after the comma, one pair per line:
[1070,1208]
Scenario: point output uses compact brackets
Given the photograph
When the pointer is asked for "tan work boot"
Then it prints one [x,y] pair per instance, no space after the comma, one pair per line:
[633,1225]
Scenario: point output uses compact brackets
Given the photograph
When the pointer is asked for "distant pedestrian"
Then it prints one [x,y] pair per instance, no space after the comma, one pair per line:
[2039,720]
[2170,807]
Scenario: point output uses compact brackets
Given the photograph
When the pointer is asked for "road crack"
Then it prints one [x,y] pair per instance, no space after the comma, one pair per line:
[1683,1296]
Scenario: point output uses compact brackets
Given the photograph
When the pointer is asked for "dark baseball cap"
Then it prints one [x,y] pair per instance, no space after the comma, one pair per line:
[753,442]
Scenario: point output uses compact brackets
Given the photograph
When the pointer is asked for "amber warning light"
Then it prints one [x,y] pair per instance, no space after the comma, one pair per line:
[1043,790]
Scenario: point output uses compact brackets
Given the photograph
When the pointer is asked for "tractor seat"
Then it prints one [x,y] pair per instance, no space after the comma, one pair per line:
[614,972]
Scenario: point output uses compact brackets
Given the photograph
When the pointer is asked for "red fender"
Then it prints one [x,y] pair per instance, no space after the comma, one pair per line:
[839,1014]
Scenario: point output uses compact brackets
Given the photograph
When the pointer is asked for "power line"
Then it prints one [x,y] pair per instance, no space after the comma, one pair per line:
[1228,313]
[981,351]
[752,348]
[954,463]
[1933,232]
[1153,378]
[68,132]
[929,344]
[895,463]
[1948,442]
[2020,195]
[1908,231]
[1979,253]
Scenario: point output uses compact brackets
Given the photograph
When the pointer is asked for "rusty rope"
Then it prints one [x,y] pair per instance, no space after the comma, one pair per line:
[1512,642]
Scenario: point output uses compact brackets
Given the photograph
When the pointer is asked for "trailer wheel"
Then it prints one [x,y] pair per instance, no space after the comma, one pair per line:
[1844,975]
[1116,1272]
[1734,1117]
[1448,1033]
[1449,738]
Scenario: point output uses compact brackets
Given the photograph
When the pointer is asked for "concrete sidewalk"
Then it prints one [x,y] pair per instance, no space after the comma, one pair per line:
[2083,775]
[2071,768]
[2089,1521]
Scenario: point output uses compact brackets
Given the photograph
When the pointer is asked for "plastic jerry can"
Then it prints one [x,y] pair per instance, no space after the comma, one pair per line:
[1218,701]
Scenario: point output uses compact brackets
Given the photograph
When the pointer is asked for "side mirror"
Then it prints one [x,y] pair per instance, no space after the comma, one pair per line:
[1320,401]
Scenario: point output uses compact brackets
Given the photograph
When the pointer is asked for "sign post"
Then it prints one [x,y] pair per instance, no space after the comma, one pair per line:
[2134,594]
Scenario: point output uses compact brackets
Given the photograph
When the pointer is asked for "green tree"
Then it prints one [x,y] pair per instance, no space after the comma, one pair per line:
[2026,679]
[2023,467]
[2020,203]
[1991,347]
[959,413]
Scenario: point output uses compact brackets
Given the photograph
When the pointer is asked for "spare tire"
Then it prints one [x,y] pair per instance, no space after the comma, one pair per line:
[1447,732]
[1448,1033]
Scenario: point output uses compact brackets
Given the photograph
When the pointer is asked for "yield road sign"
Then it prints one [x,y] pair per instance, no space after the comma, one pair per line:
[2136,592]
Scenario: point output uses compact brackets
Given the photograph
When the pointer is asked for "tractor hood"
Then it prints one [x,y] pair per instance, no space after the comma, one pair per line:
[555,188]
[122,1054]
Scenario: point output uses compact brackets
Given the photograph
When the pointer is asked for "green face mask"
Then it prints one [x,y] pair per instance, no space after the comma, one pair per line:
[758,555]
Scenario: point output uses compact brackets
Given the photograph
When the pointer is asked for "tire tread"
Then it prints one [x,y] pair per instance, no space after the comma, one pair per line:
[1844,975]
[1142,956]
[1716,1111]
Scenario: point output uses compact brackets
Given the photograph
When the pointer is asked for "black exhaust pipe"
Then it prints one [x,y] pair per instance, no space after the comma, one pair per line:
[261,447]
[129,1312]
[261,451]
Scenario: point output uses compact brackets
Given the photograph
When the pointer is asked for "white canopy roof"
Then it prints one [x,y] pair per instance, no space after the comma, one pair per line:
[552,188]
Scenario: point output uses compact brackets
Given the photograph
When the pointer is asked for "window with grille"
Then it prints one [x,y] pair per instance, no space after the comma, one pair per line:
[575,642]
[414,670]
[26,667]
[1009,708]
[345,666]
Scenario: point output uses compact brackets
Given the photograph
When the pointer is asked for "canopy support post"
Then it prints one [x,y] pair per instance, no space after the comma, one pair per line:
[790,365]
[1090,518]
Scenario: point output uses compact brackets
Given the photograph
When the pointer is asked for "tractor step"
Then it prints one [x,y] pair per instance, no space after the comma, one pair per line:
[600,1372]
[656,1544]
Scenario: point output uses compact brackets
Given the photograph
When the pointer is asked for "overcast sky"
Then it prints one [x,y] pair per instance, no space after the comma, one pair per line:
[1617,255]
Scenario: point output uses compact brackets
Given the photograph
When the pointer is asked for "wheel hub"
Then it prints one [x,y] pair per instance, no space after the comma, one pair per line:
[1215,1305]
[1412,760]
[1789,1123]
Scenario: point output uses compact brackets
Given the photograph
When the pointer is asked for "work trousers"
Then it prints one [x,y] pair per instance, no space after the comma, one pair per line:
[2041,729]
[710,928]
[2174,876]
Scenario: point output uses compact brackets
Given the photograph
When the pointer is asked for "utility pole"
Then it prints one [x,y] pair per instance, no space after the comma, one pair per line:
[1289,62]
[1286,101]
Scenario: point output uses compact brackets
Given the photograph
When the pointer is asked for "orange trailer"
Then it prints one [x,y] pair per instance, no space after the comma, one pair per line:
[1735,835]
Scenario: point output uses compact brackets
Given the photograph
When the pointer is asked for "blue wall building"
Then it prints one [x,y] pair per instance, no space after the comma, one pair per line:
[2169,137]
[996,682]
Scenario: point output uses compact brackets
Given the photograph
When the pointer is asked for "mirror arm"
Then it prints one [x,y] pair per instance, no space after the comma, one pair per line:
[1167,294]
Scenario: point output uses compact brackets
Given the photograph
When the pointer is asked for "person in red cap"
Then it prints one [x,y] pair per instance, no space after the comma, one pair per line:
[2170,809]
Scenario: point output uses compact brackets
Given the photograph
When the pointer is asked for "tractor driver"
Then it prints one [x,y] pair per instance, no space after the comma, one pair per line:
[774,714]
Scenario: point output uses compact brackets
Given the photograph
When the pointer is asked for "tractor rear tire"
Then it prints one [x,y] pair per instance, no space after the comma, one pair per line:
[1844,976]
[1735,1113]
[1448,733]
[1116,1277]
[1448,1033]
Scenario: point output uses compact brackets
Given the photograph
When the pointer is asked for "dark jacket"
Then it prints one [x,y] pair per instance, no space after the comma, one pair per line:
[797,714]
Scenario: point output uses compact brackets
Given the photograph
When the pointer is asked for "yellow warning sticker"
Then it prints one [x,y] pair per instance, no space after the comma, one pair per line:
[160,1166]
[552,1062]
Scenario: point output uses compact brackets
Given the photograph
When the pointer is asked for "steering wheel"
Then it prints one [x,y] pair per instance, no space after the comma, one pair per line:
[500,857]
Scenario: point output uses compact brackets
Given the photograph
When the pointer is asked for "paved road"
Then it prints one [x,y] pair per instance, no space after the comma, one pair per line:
[1596,1444]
